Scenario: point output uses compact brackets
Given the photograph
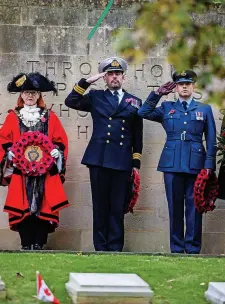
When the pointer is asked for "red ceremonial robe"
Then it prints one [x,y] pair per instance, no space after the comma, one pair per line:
[54,198]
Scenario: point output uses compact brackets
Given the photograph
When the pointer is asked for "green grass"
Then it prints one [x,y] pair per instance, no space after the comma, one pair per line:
[174,280]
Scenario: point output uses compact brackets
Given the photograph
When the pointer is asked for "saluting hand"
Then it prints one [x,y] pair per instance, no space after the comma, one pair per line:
[166,88]
[95,77]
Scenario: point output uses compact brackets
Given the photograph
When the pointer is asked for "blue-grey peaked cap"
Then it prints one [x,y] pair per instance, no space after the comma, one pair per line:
[113,64]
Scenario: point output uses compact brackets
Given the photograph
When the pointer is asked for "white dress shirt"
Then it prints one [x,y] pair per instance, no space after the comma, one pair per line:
[120,94]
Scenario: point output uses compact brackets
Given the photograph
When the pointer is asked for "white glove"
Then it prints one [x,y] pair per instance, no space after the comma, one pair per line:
[10,155]
[55,153]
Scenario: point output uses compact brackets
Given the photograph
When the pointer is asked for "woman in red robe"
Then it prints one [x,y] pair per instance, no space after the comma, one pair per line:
[33,202]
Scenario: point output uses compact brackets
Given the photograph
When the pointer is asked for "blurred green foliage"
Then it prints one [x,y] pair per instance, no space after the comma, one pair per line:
[192,39]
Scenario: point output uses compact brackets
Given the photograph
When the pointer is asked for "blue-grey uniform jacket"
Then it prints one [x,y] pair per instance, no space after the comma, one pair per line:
[184,150]
[116,141]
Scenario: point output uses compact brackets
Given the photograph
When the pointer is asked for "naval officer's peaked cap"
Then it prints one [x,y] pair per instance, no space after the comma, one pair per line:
[113,64]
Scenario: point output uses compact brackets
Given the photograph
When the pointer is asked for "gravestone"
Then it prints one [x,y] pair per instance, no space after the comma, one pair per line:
[110,288]
[216,293]
[2,290]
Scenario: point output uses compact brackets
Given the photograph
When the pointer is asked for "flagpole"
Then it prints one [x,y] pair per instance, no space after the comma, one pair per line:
[37,281]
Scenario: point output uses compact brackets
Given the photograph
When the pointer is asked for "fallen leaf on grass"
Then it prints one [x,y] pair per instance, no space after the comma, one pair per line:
[171,280]
[202,284]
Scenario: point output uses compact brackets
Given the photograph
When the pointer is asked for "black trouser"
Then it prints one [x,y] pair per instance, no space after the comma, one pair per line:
[109,192]
[33,230]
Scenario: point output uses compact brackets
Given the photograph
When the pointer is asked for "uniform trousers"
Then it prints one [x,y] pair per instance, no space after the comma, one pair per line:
[33,230]
[109,193]
[180,197]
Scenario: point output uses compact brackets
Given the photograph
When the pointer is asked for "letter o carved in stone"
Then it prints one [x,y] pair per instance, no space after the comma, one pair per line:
[85,68]
[156,70]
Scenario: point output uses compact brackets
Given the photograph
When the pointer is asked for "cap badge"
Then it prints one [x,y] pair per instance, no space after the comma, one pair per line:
[183,73]
[21,81]
[115,63]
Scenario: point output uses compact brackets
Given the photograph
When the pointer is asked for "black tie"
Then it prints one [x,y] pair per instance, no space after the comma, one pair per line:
[116,95]
[184,103]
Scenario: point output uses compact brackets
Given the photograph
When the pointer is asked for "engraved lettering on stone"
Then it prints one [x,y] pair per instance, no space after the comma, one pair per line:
[51,106]
[67,66]
[61,86]
[172,70]
[139,70]
[82,130]
[198,95]
[62,109]
[153,87]
[56,108]
[85,68]
[157,70]
[33,65]
[82,114]
[50,67]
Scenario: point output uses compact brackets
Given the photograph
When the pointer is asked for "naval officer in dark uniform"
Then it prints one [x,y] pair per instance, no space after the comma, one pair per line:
[185,122]
[114,149]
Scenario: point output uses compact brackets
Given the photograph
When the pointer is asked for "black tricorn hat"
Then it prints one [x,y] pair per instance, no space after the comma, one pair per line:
[32,82]
[184,76]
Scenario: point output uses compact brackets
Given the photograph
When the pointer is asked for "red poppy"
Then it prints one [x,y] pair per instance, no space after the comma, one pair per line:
[206,190]
[43,119]
[33,168]
[135,183]
[172,111]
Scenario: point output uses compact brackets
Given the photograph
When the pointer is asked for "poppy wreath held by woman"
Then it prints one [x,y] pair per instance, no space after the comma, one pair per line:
[206,190]
[32,153]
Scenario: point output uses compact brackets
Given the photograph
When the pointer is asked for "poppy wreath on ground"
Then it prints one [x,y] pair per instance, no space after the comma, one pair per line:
[32,153]
[135,190]
[206,190]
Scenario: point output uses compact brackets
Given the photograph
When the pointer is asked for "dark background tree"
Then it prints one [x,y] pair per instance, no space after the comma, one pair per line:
[192,33]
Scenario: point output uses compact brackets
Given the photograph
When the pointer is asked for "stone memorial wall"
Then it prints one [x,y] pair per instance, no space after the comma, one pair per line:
[51,37]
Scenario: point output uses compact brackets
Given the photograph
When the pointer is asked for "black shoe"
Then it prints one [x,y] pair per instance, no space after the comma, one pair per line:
[25,248]
[37,247]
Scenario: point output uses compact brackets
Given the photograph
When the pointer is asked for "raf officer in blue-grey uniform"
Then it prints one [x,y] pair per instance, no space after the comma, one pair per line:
[185,122]
[114,149]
